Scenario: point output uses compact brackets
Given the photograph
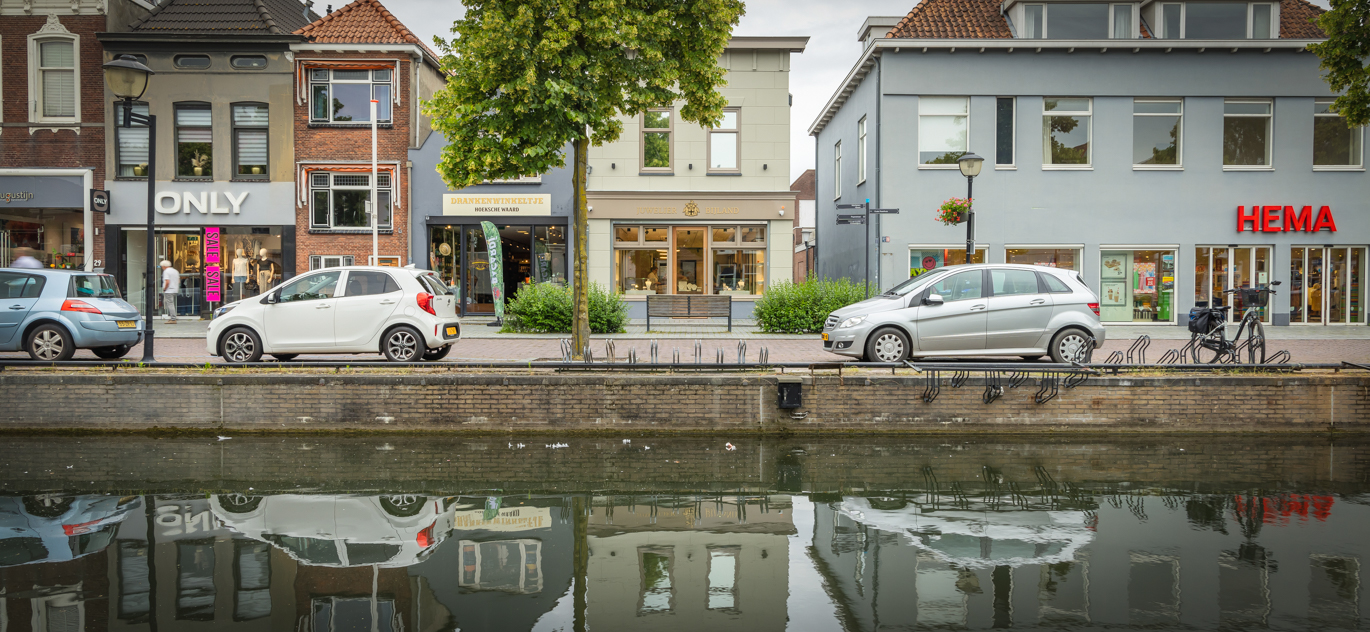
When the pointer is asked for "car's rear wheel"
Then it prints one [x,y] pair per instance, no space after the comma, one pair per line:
[239,503]
[433,355]
[285,357]
[111,353]
[887,345]
[403,505]
[403,344]
[1070,345]
[50,343]
[1032,358]
[240,345]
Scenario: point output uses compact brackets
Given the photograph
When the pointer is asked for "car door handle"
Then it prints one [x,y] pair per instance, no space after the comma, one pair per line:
[16,307]
[387,302]
[1037,301]
[976,308]
[324,306]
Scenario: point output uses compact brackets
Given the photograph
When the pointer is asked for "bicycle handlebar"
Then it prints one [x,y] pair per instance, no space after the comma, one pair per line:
[1235,290]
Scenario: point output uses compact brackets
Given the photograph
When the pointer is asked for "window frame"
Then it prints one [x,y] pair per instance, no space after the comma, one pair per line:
[1042,27]
[176,62]
[736,131]
[119,129]
[837,171]
[389,187]
[235,128]
[921,115]
[1179,139]
[709,245]
[1088,165]
[232,62]
[1134,31]
[669,130]
[1357,130]
[371,80]
[176,128]
[1274,20]
[1269,133]
[861,151]
[1161,31]
[1012,164]
[317,262]
[37,72]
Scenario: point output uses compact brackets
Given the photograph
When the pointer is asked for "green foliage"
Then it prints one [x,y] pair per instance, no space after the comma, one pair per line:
[1344,56]
[788,307]
[546,308]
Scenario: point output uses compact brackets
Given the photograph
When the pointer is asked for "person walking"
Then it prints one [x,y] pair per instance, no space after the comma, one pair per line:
[171,285]
[26,259]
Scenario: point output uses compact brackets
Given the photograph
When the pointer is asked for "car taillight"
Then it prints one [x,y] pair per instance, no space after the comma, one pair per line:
[425,538]
[426,303]
[1095,308]
[74,305]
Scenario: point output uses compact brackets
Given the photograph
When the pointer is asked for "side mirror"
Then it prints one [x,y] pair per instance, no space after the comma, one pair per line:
[933,299]
[1276,282]
[273,297]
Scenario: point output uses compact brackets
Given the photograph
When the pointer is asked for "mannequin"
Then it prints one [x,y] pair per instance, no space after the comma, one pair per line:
[240,271]
[266,270]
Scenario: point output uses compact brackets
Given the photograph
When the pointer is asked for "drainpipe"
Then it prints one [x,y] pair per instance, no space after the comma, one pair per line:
[817,213]
[409,205]
[879,182]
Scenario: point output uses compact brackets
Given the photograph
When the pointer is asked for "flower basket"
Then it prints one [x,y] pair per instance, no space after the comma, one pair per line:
[954,211]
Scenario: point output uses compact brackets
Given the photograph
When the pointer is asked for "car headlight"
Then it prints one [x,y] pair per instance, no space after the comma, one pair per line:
[851,322]
[224,310]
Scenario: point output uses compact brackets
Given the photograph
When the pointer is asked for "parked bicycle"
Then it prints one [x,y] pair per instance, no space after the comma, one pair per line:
[1209,330]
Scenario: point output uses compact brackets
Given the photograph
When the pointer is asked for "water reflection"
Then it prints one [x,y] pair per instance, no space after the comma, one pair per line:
[910,536]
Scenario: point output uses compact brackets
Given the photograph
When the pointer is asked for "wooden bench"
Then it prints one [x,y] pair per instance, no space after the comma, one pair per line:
[689,306]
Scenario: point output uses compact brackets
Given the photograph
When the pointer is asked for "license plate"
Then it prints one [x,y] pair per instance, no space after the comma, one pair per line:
[127,324]
[451,331]
[825,337]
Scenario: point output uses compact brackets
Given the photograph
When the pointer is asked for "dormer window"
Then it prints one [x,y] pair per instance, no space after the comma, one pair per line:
[1217,20]
[1078,21]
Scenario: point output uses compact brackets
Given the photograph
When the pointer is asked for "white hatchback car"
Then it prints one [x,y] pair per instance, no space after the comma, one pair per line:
[402,313]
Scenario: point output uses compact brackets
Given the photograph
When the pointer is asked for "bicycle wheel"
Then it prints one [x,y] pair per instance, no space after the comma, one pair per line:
[1208,349]
[1255,346]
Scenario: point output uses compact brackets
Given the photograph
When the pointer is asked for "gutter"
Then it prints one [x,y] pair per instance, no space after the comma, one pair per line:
[414,50]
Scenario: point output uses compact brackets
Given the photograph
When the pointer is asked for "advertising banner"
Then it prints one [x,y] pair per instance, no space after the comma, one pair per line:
[496,267]
[213,274]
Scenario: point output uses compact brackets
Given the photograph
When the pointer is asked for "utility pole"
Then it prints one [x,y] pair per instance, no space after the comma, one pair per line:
[864,218]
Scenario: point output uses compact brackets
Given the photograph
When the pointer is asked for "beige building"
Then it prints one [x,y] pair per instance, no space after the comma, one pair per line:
[680,209]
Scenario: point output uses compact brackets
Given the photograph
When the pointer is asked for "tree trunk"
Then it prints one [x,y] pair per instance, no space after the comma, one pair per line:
[580,286]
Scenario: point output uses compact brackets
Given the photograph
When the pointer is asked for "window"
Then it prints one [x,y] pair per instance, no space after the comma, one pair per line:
[56,97]
[364,283]
[1156,132]
[738,260]
[251,579]
[1008,282]
[1122,21]
[725,151]
[1246,133]
[195,580]
[1035,24]
[722,577]
[1215,20]
[15,285]
[344,96]
[250,141]
[1003,132]
[657,593]
[1262,19]
[193,62]
[943,126]
[726,260]
[135,585]
[961,286]
[861,150]
[194,141]
[837,170]
[312,287]
[339,200]
[657,147]
[925,259]
[1171,21]
[1335,144]
[1068,258]
[130,146]
[319,262]
[1137,286]
[1077,21]
[1055,285]
[249,62]
[1066,132]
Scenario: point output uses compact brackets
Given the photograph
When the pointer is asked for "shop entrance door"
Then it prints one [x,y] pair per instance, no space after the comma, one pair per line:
[1326,285]
[478,294]
[1219,268]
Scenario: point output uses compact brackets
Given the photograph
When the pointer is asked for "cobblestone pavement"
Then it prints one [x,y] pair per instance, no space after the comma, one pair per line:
[780,350]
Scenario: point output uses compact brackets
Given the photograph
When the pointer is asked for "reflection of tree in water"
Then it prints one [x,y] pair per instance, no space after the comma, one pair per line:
[1207,513]
[1054,574]
[1343,573]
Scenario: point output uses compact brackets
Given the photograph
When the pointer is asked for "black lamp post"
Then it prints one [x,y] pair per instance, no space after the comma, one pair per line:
[127,79]
[970,167]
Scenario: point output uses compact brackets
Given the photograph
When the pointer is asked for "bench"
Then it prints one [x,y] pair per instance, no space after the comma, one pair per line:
[689,306]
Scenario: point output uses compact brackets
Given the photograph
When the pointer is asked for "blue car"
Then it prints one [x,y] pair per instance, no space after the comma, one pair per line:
[52,313]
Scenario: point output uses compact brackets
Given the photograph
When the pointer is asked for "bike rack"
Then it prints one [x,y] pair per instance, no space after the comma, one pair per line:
[1047,390]
[609,349]
[994,388]
[932,386]
[742,352]
[699,352]
[1180,356]
[566,350]
[1136,354]
[1279,357]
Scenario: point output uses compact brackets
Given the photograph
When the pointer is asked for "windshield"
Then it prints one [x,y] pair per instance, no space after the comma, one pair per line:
[914,284]
[93,286]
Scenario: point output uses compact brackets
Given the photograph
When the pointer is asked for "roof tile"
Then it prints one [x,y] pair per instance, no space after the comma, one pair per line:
[225,16]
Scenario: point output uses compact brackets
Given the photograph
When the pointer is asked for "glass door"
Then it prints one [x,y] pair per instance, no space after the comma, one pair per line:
[1326,285]
[690,266]
[1219,268]
[479,295]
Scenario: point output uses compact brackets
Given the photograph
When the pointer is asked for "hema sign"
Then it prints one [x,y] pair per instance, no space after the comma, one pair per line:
[207,203]
[1267,219]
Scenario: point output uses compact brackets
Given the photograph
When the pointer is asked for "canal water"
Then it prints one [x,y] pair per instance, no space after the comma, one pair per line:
[861,533]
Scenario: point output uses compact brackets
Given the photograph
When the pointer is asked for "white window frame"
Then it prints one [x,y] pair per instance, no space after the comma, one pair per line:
[837,171]
[384,175]
[1179,141]
[323,262]
[921,115]
[1274,20]
[1043,34]
[1089,114]
[1133,20]
[310,81]
[1160,21]
[669,130]
[736,131]
[1077,247]
[52,31]
[1013,136]
[1269,134]
[861,150]
[1358,130]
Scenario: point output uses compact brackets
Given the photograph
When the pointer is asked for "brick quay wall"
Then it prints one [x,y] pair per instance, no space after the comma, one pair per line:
[665,403]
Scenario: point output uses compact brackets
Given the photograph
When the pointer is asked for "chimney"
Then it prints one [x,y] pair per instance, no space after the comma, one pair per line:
[330,9]
[307,5]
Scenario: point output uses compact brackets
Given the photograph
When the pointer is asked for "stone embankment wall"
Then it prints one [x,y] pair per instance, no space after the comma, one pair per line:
[669,403]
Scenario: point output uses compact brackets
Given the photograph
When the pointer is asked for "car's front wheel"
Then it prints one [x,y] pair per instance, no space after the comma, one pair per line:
[887,345]
[1070,345]
[241,345]
[403,344]
[50,343]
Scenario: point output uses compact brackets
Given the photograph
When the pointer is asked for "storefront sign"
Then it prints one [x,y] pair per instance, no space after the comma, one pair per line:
[496,204]
[42,192]
[1267,219]
[196,204]
[205,202]
[99,201]
[213,273]
[703,206]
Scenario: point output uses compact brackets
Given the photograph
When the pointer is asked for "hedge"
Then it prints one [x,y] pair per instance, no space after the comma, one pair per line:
[546,308]
[788,307]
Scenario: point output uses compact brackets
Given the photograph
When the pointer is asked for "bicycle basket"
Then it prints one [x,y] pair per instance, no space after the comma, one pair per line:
[1252,297]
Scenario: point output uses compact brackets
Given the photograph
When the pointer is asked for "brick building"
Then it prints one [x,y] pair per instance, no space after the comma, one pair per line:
[350,56]
[51,129]
[804,253]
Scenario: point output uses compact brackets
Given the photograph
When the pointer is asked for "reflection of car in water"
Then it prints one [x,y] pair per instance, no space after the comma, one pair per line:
[340,530]
[980,538]
[56,528]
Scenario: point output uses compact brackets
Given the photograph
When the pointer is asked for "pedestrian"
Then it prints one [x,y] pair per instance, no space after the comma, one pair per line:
[26,259]
[171,285]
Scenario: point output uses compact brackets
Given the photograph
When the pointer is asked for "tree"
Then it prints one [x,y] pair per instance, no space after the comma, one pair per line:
[528,77]
[1345,55]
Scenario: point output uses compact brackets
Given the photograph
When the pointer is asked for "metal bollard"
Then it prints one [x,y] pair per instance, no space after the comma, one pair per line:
[699,352]
[742,352]
[654,352]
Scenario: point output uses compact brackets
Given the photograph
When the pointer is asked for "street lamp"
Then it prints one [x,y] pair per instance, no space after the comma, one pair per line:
[970,167]
[127,78]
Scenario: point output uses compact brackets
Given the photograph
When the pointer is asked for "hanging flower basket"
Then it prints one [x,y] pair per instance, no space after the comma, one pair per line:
[954,211]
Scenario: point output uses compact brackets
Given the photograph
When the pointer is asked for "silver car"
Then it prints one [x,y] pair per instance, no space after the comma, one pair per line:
[972,310]
[52,313]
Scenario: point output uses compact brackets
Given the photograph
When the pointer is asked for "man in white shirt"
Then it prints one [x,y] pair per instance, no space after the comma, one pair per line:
[171,285]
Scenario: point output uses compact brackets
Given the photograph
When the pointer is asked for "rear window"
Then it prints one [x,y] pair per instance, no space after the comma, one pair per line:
[434,284]
[1055,285]
[93,286]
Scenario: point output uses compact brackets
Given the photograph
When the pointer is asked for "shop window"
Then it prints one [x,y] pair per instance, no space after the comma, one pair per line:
[658,140]
[319,262]
[131,143]
[725,148]
[1221,268]
[549,249]
[1066,132]
[194,141]
[1137,286]
[688,272]
[861,150]
[344,96]
[642,271]
[1003,132]
[1246,133]
[54,86]
[1335,144]
[248,62]
[837,170]
[1156,128]
[252,260]
[1068,258]
[1326,285]
[739,267]
[943,128]
[928,258]
[339,200]
[192,62]
[250,141]
[728,260]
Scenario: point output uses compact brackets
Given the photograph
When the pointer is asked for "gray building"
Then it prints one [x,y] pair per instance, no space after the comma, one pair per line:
[1165,150]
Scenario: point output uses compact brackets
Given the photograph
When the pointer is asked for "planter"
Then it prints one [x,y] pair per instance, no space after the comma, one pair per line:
[139,171]
[256,171]
[199,171]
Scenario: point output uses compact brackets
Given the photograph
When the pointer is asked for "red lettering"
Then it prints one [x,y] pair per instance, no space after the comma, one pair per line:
[1270,219]
[1324,219]
[1243,218]
[1300,221]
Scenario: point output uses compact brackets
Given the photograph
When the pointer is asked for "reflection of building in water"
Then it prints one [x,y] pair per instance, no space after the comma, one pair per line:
[689,562]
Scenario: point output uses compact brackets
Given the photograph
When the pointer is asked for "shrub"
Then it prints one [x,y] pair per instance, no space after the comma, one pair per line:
[788,307]
[546,308]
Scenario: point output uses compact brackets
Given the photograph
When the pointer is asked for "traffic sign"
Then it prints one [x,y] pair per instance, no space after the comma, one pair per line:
[893,211]
[860,220]
[841,206]
[852,218]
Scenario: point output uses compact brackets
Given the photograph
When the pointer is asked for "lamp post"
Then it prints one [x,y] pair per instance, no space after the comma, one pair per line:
[970,167]
[128,79]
